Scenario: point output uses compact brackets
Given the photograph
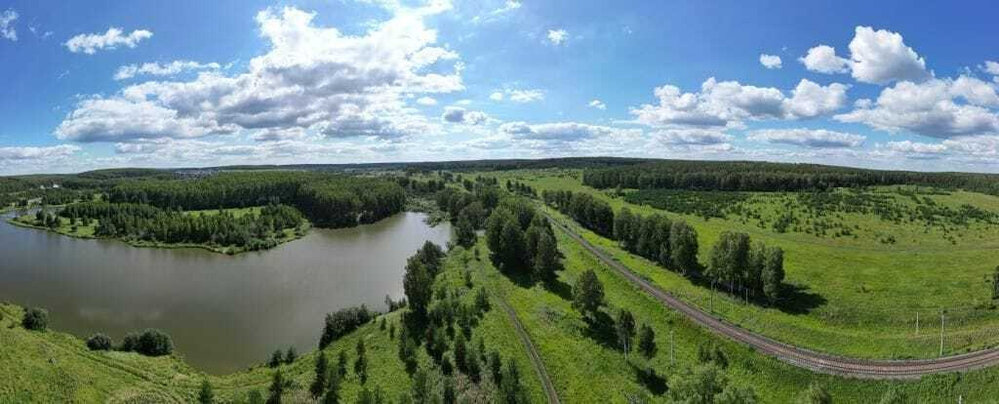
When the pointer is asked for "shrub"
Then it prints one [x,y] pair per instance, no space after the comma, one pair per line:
[151,342]
[35,319]
[99,342]
[342,322]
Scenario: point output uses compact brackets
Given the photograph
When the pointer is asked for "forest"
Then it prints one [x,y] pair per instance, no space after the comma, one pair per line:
[763,176]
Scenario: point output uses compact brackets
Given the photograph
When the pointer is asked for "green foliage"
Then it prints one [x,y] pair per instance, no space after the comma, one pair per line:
[150,342]
[290,355]
[99,342]
[647,341]
[511,388]
[814,394]
[592,213]
[625,328]
[342,322]
[276,359]
[318,386]
[205,394]
[35,319]
[745,266]
[588,294]
[276,389]
[361,363]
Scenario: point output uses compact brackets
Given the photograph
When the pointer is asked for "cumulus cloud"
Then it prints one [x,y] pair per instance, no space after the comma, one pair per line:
[37,153]
[559,131]
[876,57]
[461,115]
[991,67]
[518,95]
[7,29]
[699,137]
[112,39]
[728,103]
[157,69]
[313,78]
[426,101]
[770,61]
[823,59]
[817,138]
[557,36]
[597,104]
[940,108]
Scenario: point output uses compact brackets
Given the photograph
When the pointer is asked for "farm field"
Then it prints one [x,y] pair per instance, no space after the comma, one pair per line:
[855,295]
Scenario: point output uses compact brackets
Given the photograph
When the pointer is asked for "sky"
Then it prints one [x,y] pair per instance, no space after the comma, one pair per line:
[189,83]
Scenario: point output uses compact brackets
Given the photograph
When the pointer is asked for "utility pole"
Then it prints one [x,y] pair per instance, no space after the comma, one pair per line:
[712,296]
[941,331]
[917,323]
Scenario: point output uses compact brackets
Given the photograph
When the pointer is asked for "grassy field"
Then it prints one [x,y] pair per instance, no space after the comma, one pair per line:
[86,231]
[854,296]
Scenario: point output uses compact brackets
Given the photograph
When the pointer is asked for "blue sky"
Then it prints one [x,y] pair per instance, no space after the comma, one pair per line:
[95,84]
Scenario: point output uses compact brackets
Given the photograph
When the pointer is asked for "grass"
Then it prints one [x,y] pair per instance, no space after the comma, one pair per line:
[587,365]
[854,297]
[87,231]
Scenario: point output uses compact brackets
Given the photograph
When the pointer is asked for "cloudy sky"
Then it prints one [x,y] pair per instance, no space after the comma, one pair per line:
[95,84]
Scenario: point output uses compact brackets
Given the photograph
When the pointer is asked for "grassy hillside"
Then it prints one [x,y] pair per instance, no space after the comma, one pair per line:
[855,296]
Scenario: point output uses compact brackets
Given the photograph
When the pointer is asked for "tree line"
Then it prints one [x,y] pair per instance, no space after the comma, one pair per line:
[766,177]
[327,200]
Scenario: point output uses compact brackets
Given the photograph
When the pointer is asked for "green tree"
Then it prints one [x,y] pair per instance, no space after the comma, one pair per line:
[894,395]
[647,341]
[318,386]
[461,353]
[512,390]
[417,283]
[814,394]
[699,385]
[205,394]
[341,364]
[588,294]
[729,258]
[333,384]
[361,363]
[35,319]
[625,327]
[464,232]
[546,258]
[623,228]
[99,342]
[254,397]
[733,394]
[277,388]
[683,247]
[773,273]
[290,355]
[276,358]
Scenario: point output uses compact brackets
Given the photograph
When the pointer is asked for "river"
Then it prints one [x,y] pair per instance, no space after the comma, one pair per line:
[223,312]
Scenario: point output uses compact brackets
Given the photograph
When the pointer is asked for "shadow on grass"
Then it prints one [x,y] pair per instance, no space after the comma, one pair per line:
[559,288]
[796,299]
[652,381]
[601,330]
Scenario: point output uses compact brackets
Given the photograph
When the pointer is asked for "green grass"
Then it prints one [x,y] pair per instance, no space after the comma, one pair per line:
[587,368]
[861,297]
[87,231]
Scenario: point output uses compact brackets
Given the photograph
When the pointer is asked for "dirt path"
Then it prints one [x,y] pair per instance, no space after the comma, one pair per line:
[532,352]
[800,357]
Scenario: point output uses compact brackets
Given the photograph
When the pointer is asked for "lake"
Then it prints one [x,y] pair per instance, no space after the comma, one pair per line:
[223,312]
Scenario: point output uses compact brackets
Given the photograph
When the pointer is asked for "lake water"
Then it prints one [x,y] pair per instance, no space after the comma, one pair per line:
[223,312]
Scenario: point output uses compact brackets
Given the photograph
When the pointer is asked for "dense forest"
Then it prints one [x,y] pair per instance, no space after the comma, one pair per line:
[327,200]
[762,176]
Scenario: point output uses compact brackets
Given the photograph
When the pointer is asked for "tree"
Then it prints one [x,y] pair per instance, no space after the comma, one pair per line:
[894,395]
[699,385]
[153,342]
[332,395]
[647,341]
[511,389]
[449,396]
[588,294]
[318,386]
[35,319]
[341,364]
[461,353]
[276,389]
[276,359]
[625,327]
[683,246]
[290,355]
[729,258]
[546,258]
[814,394]
[361,364]
[505,239]
[733,394]
[99,342]
[464,232]
[773,273]
[417,284]
[995,283]
[623,228]
[254,397]
[206,395]
[421,387]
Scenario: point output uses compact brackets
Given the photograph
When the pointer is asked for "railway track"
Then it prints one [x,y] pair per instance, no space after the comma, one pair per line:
[800,357]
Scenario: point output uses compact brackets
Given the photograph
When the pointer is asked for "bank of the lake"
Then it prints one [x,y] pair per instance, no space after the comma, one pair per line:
[224,312]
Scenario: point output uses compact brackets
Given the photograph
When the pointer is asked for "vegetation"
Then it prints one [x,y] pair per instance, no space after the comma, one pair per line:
[35,319]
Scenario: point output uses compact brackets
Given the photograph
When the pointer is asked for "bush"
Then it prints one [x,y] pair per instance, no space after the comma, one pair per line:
[151,342]
[35,319]
[99,342]
[342,322]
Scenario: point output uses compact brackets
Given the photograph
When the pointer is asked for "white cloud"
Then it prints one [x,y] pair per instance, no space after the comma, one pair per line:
[823,59]
[940,108]
[7,29]
[880,57]
[597,104]
[313,78]
[991,67]
[426,101]
[557,36]
[36,153]
[701,137]
[728,103]
[112,39]
[817,138]
[559,131]
[770,61]
[168,69]
[518,95]
[461,115]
